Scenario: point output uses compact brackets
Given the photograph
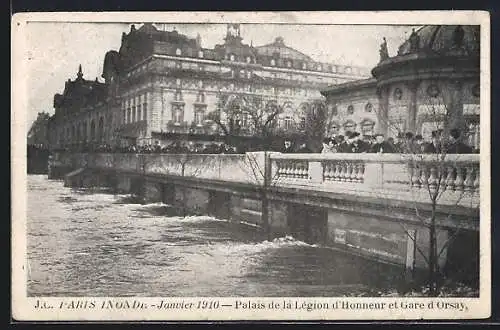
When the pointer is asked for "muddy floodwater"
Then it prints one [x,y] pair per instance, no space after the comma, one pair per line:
[88,243]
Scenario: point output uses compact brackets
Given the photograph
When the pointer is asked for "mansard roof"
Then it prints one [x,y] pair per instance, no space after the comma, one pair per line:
[279,49]
[81,93]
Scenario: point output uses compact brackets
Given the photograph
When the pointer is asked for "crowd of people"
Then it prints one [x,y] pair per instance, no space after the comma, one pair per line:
[353,142]
[177,147]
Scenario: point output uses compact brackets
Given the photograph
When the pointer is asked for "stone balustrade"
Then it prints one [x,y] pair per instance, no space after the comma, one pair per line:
[452,180]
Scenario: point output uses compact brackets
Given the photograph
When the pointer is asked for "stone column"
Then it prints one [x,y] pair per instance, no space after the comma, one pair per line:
[455,107]
[383,112]
[412,106]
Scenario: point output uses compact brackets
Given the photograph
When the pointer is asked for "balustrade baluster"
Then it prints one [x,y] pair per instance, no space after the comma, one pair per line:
[305,170]
[298,170]
[469,179]
[432,181]
[343,175]
[424,176]
[337,172]
[476,179]
[361,172]
[450,178]
[354,173]
[327,171]
[442,174]
[415,176]
[459,181]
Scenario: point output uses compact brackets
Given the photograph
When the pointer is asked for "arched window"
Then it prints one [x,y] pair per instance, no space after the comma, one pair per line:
[368,107]
[178,52]
[350,109]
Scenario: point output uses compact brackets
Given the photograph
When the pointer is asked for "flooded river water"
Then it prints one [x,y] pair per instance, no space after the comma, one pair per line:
[88,243]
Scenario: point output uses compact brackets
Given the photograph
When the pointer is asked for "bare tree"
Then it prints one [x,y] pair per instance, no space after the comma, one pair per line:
[240,115]
[437,173]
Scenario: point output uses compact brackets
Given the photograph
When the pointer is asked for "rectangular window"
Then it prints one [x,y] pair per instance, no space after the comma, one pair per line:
[288,123]
[177,115]
[199,117]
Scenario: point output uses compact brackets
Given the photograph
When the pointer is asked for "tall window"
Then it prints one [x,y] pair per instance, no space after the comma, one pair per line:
[124,119]
[200,54]
[129,115]
[139,113]
[273,62]
[288,123]
[199,116]
[145,109]
[177,115]
[178,52]
[133,113]
[244,119]
[178,96]
[200,98]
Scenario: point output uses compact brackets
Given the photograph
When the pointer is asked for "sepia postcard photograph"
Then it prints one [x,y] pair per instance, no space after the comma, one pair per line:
[251,166]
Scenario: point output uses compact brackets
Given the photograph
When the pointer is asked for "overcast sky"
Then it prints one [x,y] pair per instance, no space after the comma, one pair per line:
[56,49]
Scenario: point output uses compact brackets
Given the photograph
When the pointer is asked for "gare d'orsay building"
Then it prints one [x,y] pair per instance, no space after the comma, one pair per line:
[431,83]
[162,84]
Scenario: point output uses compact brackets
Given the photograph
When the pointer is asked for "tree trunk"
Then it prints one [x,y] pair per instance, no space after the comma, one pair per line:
[432,253]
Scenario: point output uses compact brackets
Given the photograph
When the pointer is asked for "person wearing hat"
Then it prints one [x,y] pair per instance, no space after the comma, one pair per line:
[356,145]
[419,145]
[287,147]
[381,146]
[435,146]
[329,146]
[398,143]
[341,144]
[455,145]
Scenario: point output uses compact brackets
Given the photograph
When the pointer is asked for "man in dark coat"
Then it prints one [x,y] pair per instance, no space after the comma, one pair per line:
[287,147]
[435,146]
[455,145]
[381,146]
[356,144]
[342,146]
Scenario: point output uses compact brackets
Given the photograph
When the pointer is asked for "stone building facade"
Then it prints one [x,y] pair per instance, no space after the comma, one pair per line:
[161,85]
[431,83]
